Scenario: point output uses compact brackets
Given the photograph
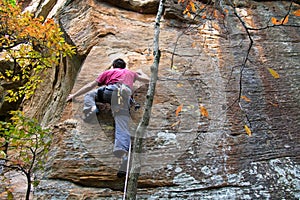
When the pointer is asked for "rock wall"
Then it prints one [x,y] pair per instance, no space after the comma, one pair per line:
[189,155]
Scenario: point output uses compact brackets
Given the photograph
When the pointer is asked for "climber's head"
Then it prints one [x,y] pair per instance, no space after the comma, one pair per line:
[119,63]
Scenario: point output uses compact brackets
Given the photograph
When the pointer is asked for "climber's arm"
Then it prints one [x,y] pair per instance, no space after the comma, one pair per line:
[83,90]
[142,77]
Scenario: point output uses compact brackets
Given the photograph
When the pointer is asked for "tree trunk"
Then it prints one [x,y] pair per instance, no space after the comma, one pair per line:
[139,134]
[28,185]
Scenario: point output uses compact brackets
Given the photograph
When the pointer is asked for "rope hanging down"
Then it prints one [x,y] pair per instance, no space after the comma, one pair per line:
[127,172]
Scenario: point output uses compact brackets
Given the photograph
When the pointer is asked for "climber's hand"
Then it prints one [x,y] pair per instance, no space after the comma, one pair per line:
[70,98]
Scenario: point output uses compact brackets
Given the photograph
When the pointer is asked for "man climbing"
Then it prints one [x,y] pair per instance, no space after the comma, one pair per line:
[116,86]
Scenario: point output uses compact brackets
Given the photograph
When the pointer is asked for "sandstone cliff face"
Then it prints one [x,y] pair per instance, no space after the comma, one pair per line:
[189,155]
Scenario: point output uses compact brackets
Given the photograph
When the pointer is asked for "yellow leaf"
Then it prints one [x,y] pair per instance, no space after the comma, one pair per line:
[179,85]
[178,110]
[248,131]
[273,72]
[297,13]
[2,154]
[186,11]
[176,123]
[245,98]
[203,111]
[193,6]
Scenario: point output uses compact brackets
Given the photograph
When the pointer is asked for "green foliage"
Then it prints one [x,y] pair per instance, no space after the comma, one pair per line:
[27,143]
[12,2]
[24,145]
[28,46]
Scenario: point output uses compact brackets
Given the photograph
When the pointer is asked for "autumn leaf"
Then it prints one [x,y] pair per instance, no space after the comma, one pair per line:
[297,13]
[189,15]
[178,110]
[275,21]
[2,140]
[248,131]
[245,98]
[273,104]
[273,73]
[279,22]
[179,85]
[285,20]
[194,44]
[10,195]
[2,154]
[185,11]
[216,14]
[176,123]
[193,7]
[203,111]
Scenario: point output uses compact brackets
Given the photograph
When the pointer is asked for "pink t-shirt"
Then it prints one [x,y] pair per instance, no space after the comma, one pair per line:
[117,75]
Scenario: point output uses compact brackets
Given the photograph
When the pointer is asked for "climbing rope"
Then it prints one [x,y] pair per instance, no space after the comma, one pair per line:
[127,173]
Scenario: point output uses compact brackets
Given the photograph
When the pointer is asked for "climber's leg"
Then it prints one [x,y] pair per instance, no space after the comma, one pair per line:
[122,135]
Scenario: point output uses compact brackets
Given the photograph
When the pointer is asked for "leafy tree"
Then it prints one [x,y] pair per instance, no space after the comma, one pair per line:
[28,47]
[26,145]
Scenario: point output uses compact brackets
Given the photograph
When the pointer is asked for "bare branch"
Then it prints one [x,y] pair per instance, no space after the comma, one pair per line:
[138,140]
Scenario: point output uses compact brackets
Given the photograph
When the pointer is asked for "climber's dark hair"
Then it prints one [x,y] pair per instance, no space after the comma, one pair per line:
[119,63]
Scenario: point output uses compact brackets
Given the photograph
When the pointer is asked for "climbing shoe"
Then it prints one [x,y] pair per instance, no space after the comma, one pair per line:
[90,115]
[123,168]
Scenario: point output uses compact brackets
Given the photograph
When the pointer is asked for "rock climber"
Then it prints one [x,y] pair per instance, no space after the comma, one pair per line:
[115,88]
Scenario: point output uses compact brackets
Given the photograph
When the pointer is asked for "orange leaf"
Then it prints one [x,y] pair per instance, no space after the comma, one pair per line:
[285,20]
[279,22]
[245,98]
[178,110]
[216,14]
[194,44]
[248,131]
[189,15]
[203,111]
[274,73]
[297,13]
[275,21]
